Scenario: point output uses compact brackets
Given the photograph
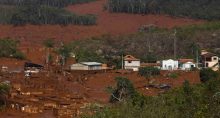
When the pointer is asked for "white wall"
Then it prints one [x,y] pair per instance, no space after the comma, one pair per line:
[187,66]
[132,65]
[79,67]
[169,65]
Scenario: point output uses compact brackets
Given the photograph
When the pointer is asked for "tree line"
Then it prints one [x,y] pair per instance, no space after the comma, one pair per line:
[31,12]
[201,9]
[54,3]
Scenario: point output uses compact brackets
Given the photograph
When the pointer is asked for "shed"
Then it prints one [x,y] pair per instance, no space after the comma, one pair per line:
[86,66]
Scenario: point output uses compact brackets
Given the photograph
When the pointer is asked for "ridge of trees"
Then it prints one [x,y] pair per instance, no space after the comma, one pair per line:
[53,3]
[37,12]
[199,9]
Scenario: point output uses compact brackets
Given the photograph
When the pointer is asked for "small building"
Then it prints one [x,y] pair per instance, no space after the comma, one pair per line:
[210,60]
[169,65]
[130,62]
[86,66]
[186,64]
[32,67]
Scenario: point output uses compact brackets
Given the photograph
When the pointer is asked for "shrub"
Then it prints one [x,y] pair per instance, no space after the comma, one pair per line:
[8,48]
[149,71]
[207,74]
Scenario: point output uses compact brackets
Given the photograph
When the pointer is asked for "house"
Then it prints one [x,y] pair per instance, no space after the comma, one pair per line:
[210,60]
[186,64]
[130,62]
[169,64]
[86,66]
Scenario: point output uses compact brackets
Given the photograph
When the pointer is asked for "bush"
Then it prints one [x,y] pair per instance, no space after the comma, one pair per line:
[149,71]
[207,74]
[8,48]
[173,75]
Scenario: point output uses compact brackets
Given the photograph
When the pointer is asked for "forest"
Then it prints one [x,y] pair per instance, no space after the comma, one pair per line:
[20,12]
[198,9]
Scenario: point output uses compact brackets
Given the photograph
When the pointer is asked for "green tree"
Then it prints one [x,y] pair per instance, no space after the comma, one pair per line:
[4,91]
[123,90]
[208,74]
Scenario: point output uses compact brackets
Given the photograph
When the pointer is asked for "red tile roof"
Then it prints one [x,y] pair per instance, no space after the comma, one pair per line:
[130,58]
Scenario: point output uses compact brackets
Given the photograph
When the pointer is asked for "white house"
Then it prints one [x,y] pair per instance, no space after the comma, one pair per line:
[86,66]
[210,60]
[130,62]
[169,64]
[186,64]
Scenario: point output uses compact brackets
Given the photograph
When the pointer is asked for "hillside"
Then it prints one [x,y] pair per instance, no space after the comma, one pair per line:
[107,23]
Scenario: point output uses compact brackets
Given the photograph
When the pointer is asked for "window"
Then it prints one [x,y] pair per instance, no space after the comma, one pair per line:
[207,65]
[208,59]
[215,58]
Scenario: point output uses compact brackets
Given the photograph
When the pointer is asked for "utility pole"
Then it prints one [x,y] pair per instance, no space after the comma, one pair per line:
[197,57]
[122,62]
[174,42]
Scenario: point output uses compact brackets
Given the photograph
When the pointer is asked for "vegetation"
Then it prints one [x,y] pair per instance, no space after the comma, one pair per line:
[20,12]
[149,46]
[149,71]
[8,48]
[123,90]
[208,74]
[204,9]
[4,90]
[54,3]
[189,101]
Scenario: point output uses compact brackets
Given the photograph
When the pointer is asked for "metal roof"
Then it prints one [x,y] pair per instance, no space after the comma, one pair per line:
[91,63]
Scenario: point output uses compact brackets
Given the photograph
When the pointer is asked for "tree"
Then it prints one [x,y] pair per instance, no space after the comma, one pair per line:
[208,74]
[123,90]
[149,71]
[49,44]
[8,48]
[4,91]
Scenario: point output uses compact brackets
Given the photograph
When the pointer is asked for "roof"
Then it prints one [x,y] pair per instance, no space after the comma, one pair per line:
[91,63]
[209,54]
[130,58]
[150,64]
[28,64]
[185,60]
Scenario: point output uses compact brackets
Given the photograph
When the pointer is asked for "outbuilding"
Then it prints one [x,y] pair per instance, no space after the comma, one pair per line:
[86,66]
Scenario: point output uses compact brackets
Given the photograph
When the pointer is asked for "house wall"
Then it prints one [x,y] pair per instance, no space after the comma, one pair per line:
[97,67]
[169,65]
[187,66]
[214,63]
[85,67]
[132,64]
[79,67]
